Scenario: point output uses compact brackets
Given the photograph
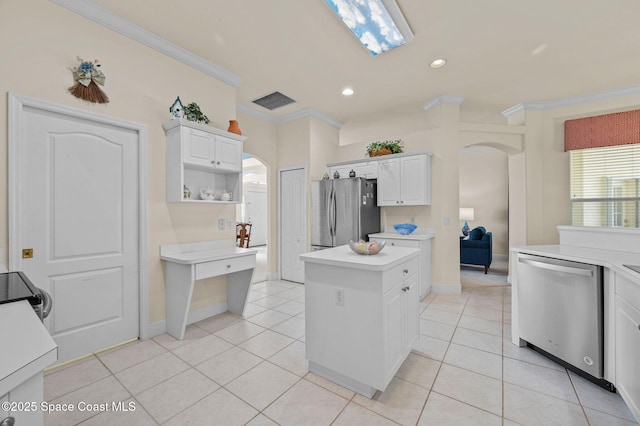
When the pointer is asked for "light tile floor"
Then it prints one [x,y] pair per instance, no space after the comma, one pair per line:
[233,370]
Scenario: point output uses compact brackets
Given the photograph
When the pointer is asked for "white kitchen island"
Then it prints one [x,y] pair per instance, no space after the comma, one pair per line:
[361,314]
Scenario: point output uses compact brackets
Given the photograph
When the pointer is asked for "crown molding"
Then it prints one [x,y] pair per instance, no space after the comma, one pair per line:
[443,99]
[310,112]
[303,113]
[539,106]
[256,114]
[129,29]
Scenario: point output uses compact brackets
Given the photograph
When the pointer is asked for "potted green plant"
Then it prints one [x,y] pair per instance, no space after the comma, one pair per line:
[192,113]
[385,147]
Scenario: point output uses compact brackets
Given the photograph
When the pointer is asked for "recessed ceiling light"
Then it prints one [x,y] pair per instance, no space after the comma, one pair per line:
[438,62]
[348,91]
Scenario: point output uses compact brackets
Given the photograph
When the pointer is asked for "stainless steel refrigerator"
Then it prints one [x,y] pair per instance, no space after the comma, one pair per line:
[343,210]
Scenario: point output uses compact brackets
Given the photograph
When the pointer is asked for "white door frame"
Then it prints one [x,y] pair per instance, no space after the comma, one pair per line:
[280,171]
[17,105]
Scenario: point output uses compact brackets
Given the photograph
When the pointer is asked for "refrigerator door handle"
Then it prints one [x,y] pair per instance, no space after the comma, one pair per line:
[329,209]
[334,211]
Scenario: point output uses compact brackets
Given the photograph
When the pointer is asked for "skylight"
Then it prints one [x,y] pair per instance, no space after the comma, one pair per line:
[378,24]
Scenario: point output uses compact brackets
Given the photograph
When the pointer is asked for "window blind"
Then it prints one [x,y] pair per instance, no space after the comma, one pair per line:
[605,184]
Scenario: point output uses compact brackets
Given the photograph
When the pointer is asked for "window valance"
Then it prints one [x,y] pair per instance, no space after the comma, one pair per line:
[620,128]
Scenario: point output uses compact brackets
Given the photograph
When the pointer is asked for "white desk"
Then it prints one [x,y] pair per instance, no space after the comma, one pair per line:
[186,263]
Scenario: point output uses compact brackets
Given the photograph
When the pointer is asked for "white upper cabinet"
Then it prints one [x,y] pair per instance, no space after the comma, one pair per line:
[405,181]
[209,150]
[367,169]
[202,158]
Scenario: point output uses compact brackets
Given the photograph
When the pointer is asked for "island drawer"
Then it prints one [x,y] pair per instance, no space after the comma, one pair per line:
[397,274]
[224,266]
[398,242]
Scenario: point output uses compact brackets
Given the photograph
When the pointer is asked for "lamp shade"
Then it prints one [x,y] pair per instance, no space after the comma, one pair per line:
[466,213]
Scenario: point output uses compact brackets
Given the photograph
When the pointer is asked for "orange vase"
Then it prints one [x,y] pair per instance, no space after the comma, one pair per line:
[233,127]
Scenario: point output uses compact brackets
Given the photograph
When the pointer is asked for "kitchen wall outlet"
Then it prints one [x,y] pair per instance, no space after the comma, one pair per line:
[220,223]
[230,224]
[340,297]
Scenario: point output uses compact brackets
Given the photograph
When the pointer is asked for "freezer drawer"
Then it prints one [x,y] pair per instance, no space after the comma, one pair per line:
[561,310]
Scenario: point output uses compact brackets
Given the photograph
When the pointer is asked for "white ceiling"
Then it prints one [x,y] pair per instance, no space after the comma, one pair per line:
[500,52]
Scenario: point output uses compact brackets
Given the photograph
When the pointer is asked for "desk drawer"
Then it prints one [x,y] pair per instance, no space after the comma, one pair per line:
[224,266]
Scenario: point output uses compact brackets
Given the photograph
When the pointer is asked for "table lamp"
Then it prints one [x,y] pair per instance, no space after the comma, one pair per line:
[466,213]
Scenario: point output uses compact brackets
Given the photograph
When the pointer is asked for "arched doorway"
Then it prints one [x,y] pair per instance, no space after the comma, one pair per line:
[254,210]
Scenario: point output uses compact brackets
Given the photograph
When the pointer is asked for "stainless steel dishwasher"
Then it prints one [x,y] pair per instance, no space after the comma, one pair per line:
[561,313]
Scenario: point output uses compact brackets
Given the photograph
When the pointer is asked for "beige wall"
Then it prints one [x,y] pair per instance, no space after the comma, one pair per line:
[262,143]
[546,190]
[484,185]
[41,41]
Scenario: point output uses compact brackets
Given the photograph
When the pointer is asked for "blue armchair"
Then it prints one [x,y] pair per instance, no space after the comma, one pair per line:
[478,249]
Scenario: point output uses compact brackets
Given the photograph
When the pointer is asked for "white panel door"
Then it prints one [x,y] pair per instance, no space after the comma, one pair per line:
[293,220]
[257,214]
[79,202]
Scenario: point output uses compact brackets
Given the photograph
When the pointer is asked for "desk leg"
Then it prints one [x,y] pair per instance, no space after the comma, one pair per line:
[179,288]
[238,284]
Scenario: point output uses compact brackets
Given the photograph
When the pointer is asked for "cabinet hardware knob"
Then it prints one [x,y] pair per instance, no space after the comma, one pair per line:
[228,266]
[213,161]
[393,244]
[217,162]
[406,271]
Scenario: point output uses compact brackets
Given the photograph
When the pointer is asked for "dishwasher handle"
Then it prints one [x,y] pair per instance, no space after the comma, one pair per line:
[557,268]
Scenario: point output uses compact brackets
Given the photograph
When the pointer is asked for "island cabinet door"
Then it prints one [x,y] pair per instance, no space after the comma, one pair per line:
[402,322]
[394,310]
[412,312]
[627,354]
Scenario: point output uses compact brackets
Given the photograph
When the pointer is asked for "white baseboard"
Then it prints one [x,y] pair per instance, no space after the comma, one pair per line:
[160,327]
[447,288]
[273,276]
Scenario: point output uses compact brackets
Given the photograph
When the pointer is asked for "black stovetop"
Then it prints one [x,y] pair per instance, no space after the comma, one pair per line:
[16,286]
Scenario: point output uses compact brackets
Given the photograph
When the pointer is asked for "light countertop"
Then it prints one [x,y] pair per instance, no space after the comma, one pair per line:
[204,251]
[345,257]
[27,346]
[192,257]
[418,234]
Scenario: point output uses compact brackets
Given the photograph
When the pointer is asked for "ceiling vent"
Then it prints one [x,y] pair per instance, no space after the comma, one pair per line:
[273,100]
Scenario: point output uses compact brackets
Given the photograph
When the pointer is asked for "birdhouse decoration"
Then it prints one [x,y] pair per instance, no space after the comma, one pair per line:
[88,76]
[177,109]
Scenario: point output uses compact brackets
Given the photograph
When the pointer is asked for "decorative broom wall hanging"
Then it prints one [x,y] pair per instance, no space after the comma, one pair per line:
[87,77]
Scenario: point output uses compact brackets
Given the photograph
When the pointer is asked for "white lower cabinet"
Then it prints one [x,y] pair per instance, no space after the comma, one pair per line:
[360,324]
[402,320]
[424,274]
[25,402]
[627,342]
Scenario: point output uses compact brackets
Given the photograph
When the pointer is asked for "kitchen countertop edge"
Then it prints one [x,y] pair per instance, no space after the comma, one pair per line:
[614,260]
